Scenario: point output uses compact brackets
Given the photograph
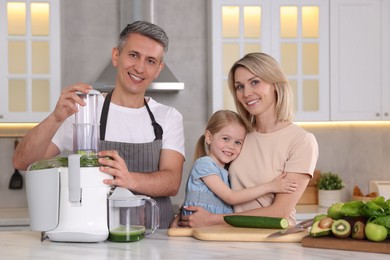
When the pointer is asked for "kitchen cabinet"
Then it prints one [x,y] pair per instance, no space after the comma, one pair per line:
[294,32]
[360,58]
[30,64]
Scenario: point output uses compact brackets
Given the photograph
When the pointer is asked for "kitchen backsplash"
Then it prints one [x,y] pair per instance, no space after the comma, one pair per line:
[9,198]
[357,153]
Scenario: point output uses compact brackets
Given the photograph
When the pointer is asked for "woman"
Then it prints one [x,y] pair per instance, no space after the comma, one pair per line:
[274,145]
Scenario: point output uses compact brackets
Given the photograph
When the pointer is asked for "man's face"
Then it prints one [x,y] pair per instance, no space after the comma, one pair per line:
[138,63]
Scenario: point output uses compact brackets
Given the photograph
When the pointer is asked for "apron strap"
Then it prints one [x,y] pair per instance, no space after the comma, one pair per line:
[158,131]
[103,116]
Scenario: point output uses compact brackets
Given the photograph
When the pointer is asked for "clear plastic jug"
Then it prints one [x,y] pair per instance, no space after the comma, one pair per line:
[131,217]
[86,127]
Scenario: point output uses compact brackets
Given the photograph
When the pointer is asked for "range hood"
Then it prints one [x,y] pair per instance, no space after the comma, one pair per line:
[131,11]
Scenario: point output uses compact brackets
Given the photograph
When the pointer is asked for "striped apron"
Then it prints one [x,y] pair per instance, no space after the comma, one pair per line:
[139,157]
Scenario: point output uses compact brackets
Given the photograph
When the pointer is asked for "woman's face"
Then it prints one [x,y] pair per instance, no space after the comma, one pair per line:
[257,96]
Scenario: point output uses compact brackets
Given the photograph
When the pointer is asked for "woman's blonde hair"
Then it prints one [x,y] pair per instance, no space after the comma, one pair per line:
[217,121]
[267,69]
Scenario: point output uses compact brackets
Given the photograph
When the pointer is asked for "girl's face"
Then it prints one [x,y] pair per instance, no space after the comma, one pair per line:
[258,97]
[225,145]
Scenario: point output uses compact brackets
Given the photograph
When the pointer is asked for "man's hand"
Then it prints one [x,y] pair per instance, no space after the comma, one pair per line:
[68,100]
[115,166]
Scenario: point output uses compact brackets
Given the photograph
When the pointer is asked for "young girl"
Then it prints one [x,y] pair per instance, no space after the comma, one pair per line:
[208,184]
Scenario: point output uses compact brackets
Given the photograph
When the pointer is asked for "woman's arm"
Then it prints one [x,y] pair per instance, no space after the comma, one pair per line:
[234,197]
[281,207]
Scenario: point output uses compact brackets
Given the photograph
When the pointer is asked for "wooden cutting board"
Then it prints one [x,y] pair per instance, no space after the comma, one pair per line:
[347,244]
[228,233]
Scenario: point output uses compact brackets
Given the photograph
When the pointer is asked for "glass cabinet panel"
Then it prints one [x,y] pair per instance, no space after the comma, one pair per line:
[310,95]
[289,58]
[252,47]
[17,57]
[310,21]
[40,95]
[16,14]
[40,19]
[310,59]
[230,21]
[40,59]
[230,53]
[288,21]
[252,21]
[17,95]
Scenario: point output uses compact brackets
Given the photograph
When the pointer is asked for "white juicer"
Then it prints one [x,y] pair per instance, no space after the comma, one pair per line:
[68,202]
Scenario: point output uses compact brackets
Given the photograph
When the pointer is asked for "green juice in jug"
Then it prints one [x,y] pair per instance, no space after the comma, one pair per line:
[121,234]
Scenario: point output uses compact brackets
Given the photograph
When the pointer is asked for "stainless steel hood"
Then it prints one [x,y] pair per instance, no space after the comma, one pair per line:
[131,11]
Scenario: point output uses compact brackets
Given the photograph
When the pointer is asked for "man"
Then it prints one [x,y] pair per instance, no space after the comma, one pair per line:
[145,139]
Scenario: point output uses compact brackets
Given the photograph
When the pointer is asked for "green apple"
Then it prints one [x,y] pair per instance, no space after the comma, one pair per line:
[375,232]
[334,211]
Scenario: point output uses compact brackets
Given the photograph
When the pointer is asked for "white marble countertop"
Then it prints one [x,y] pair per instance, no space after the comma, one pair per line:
[27,245]
[19,216]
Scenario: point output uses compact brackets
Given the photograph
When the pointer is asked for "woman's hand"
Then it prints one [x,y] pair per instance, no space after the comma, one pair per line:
[199,218]
[115,166]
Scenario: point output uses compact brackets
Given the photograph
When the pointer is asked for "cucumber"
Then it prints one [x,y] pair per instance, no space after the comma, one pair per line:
[256,221]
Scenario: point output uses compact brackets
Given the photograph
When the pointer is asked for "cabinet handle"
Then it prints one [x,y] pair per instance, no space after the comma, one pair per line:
[377,114]
[386,114]
[1,116]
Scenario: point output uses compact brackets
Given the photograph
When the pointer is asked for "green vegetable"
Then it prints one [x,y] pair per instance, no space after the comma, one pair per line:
[352,208]
[317,231]
[376,211]
[256,221]
[56,162]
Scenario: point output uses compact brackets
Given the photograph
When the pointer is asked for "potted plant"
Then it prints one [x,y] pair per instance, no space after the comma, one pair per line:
[329,186]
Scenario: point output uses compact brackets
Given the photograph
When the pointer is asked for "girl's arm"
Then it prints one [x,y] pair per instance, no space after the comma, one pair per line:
[282,206]
[234,197]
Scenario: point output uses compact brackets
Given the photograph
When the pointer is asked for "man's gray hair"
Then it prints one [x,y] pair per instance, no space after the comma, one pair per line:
[146,29]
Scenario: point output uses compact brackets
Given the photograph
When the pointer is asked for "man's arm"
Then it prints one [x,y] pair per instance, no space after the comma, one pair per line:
[37,144]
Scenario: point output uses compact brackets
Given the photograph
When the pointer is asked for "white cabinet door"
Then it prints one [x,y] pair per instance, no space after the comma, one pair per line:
[385,59]
[294,32]
[356,68]
[30,59]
